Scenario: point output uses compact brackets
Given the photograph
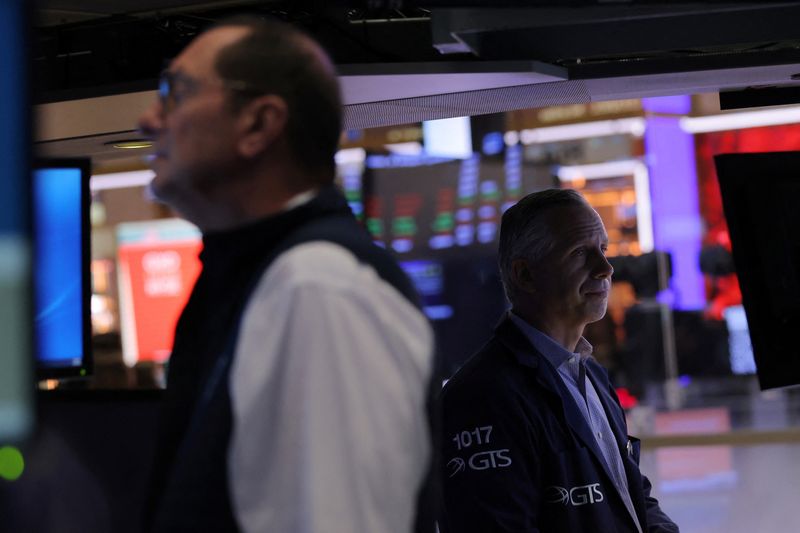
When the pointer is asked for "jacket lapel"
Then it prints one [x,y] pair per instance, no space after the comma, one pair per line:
[547,377]
[616,421]
[601,384]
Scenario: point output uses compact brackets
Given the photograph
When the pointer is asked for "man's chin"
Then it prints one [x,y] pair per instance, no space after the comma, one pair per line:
[158,189]
[596,312]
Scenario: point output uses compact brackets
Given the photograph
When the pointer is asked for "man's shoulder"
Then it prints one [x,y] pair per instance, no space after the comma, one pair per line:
[492,370]
[322,275]
[335,252]
[319,263]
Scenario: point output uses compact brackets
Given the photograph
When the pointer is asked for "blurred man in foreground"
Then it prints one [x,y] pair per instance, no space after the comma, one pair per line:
[296,396]
[534,436]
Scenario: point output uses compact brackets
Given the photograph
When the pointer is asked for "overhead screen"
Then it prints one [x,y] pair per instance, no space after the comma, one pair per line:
[15,316]
[61,268]
[441,218]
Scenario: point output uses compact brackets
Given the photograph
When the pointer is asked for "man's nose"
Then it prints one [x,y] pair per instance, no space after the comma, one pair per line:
[602,268]
[152,120]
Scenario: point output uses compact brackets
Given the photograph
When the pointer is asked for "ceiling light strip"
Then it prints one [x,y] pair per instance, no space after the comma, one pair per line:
[568,132]
[745,119]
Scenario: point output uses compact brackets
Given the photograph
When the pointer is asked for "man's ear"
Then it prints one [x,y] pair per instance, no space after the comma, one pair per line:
[262,121]
[522,275]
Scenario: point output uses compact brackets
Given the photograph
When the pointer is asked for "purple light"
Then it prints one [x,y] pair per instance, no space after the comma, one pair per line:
[670,105]
[677,226]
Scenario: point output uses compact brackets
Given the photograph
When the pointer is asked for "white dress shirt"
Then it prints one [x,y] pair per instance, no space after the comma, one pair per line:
[328,389]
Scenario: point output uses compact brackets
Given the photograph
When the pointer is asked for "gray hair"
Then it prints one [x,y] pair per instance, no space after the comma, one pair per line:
[523,236]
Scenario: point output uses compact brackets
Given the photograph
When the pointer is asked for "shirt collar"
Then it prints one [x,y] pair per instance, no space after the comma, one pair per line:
[299,199]
[550,349]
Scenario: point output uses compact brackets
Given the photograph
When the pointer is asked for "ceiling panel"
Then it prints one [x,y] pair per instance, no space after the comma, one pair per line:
[61,12]
[118,7]
[391,68]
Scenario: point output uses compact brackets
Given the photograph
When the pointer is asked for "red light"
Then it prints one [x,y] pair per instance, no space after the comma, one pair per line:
[626,399]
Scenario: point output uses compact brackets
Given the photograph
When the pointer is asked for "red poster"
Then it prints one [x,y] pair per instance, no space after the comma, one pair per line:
[156,278]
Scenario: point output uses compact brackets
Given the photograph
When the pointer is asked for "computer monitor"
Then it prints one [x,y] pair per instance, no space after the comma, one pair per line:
[61,273]
[410,203]
[440,218]
[16,398]
[759,197]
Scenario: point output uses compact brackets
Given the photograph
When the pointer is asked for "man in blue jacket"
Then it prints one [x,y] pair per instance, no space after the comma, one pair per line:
[534,436]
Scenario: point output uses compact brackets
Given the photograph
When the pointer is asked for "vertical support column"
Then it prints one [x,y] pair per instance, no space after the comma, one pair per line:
[677,225]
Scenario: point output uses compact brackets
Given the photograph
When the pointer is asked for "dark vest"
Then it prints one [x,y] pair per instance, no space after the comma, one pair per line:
[189,481]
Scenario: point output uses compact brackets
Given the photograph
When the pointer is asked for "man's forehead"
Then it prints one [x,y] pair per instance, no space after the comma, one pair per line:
[199,57]
[575,222]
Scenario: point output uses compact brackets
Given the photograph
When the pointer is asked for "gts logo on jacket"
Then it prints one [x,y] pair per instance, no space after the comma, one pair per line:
[480,461]
[580,495]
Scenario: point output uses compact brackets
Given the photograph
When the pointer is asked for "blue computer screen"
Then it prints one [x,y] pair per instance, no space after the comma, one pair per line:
[58,272]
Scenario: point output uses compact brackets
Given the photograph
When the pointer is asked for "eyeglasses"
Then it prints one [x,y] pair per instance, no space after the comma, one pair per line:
[175,87]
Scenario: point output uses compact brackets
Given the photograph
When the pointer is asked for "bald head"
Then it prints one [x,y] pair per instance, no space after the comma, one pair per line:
[276,58]
[198,59]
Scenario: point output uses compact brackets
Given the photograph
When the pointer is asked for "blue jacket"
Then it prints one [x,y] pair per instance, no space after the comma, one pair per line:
[518,455]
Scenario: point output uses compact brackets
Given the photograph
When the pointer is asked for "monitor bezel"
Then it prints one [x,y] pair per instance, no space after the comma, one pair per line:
[86,368]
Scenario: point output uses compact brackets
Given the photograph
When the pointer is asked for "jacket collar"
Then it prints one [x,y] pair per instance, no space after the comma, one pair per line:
[512,338]
[556,354]
[547,377]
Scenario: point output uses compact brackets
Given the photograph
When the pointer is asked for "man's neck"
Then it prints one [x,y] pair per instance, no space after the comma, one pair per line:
[243,201]
[566,336]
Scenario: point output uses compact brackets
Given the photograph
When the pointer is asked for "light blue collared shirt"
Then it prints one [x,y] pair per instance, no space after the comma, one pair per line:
[567,365]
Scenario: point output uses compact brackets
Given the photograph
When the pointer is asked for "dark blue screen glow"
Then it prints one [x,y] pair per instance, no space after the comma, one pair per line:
[57,275]
[16,407]
[13,136]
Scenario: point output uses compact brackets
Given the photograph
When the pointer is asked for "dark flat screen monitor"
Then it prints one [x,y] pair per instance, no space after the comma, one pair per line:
[760,195]
[61,273]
